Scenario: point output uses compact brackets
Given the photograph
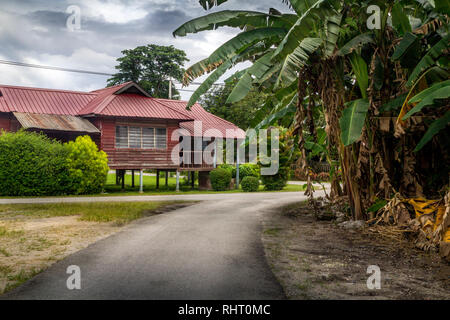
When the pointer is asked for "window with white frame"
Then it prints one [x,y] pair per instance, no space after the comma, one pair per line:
[141,137]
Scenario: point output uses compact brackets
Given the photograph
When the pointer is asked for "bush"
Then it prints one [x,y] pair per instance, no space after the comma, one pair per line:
[277,181]
[33,165]
[87,165]
[250,184]
[230,168]
[220,179]
[248,170]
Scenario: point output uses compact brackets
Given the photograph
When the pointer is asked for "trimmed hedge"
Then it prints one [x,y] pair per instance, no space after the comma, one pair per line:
[31,164]
[220,179]
[250,184]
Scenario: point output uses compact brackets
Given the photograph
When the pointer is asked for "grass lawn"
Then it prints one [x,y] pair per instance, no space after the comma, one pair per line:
[111,189]
[34,236]
[150,187]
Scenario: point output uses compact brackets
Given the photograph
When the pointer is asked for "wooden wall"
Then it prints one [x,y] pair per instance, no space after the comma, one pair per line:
[5,121]
[136,158]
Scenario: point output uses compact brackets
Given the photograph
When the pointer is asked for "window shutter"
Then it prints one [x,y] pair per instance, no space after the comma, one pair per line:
[148,138]
[135,137]
[161,138]
[121,137]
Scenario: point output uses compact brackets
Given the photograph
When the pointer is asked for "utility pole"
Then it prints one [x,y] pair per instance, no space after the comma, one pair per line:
[170,88]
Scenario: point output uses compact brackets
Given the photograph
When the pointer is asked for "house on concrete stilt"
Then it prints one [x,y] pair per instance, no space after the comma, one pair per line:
[136,131]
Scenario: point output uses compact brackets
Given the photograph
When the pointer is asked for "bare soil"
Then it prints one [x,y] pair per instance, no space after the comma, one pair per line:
[29,245]
[319,260]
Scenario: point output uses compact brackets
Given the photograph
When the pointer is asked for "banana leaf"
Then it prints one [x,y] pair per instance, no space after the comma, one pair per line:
[352,121]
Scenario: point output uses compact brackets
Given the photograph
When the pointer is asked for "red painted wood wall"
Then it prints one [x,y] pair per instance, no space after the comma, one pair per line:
[136,158]
[5,122]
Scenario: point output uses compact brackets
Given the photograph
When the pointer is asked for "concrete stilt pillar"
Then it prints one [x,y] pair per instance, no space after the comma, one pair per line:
[237,166]
[141,181]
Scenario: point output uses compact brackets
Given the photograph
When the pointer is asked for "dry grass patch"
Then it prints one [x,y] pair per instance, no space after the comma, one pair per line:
[34,236]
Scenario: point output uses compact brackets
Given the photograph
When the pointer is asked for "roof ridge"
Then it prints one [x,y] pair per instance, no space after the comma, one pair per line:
[171,108]
[44,89]
[108,88]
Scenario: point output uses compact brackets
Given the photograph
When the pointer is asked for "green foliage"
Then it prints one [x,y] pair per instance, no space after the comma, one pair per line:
[240,113]
[220,179]
[352,121]
[150,66]
[32,165]
[429,59]
[247,170]
[87,165]
[286,154]
[230,168]
[250,184]
[432,94]
[434,128]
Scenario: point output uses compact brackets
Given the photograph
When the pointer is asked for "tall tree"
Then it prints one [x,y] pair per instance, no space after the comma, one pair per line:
[151,66]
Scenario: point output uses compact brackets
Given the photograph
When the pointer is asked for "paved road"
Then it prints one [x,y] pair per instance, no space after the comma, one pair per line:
[211,250]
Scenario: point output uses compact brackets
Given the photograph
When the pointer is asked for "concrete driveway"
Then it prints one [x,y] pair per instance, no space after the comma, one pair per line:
[211,250]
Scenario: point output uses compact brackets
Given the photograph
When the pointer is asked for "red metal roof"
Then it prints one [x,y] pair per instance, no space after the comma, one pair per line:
[209,121]
[124,100]
[43,101]
[134,105]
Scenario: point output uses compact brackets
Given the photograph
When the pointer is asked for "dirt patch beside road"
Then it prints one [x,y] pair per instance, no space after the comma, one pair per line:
[31,241]
[318,260]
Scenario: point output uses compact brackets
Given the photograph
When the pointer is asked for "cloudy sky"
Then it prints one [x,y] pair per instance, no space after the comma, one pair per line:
[35,31]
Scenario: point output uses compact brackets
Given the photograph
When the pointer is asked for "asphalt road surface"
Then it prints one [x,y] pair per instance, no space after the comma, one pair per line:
[210,250]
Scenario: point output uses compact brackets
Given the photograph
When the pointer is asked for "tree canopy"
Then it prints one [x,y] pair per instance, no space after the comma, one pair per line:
[151,66]
[241,113]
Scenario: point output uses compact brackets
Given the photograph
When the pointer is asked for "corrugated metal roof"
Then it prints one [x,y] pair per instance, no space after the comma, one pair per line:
[210,122]
[134,105]
[55,122]
[124,100]
[103,96]
[43,101]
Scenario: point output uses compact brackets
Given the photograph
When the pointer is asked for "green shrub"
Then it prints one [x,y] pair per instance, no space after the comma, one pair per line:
[230,168]
[33,165]
[250,184]
[87,165]
[248,170]
[220,179]
[286,147]
[277,181]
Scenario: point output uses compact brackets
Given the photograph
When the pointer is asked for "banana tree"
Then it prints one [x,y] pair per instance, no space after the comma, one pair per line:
[324,55]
